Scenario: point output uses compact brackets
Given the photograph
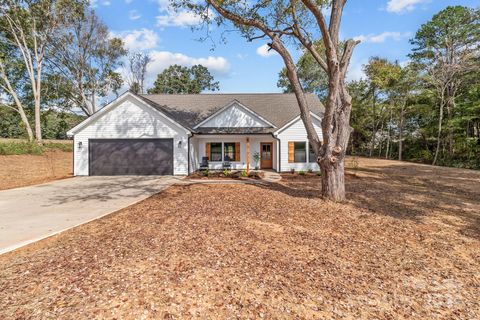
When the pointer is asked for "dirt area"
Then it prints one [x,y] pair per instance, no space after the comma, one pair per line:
[24,170]
[405,246]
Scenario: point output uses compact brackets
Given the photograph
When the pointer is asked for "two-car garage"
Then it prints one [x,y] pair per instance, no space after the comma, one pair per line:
[130,137]
[111,157]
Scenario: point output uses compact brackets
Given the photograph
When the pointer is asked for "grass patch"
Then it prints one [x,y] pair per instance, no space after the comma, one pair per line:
[25,147]
[66,147]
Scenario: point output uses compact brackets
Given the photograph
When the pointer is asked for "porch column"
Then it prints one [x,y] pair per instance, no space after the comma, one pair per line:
[248,155]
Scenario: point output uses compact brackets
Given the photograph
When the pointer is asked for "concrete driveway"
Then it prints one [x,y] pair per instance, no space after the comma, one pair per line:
[32,213]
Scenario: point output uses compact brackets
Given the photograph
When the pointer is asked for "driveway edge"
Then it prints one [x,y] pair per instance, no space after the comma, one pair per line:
[54,233]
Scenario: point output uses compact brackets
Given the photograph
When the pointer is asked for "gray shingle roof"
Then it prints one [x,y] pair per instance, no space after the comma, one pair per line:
[191,109]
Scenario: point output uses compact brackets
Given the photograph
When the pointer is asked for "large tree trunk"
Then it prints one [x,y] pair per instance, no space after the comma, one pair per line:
[38,124]
[333,180]
[332,155]
[336,118]
[37,97]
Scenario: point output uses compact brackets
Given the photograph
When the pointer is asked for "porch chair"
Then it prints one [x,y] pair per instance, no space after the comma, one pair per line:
[204,164]
[227,165]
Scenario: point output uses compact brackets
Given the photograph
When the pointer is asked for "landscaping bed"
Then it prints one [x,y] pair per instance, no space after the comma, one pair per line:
[406,245]
[227,174]
[301,175]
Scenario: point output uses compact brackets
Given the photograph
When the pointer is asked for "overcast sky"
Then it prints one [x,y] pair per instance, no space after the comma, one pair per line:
[384,26]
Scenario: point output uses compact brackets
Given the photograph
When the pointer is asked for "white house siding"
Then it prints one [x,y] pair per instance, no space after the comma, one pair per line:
[255,140]
[296,132]
[235,116]
[131,119]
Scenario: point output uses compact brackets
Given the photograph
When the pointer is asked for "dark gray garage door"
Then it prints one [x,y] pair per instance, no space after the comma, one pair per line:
[110,157]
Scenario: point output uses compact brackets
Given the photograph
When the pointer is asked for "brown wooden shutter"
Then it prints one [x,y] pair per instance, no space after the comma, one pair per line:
[291,147]
[207,150]
[237,151]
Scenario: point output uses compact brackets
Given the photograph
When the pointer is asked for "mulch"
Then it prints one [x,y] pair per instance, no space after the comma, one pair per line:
[406,245]
[229,175]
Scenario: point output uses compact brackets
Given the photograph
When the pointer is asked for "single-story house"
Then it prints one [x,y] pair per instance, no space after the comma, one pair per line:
[161,134]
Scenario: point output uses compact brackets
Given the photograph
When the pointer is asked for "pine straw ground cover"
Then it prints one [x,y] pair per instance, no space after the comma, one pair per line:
[405,246]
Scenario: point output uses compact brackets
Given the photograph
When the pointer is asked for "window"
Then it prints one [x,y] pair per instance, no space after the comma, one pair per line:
[311,155]
[299,152]
[229,151]
[216,151]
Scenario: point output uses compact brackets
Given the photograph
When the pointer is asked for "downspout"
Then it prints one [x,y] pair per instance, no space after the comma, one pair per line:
[279,153]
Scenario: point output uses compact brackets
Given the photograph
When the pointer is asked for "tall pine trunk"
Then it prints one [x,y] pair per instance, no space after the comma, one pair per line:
[439,132]
[400,138]
[374,123]
[392,103]
[450,133]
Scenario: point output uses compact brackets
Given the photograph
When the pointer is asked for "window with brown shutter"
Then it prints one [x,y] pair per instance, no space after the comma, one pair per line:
[300,152]
[215,151]
[229,151]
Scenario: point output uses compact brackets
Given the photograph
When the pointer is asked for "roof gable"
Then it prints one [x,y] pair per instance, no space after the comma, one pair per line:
[315,118]
[234,115]
[117,102]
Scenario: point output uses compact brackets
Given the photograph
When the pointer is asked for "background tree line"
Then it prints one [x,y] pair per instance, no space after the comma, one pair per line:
[57,56]
[426,110]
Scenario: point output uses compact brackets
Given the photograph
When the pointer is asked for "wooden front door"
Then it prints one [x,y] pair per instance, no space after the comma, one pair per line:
[266,155]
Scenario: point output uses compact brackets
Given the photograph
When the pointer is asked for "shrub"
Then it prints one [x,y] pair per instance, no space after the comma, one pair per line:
[66,147]
[226,172]
[319,173]
[244,173]
[256,159]
[206,173]
[301,172]
[14,147]
[354,163]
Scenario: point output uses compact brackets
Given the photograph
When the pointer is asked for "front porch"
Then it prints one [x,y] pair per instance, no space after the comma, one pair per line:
[239,150]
